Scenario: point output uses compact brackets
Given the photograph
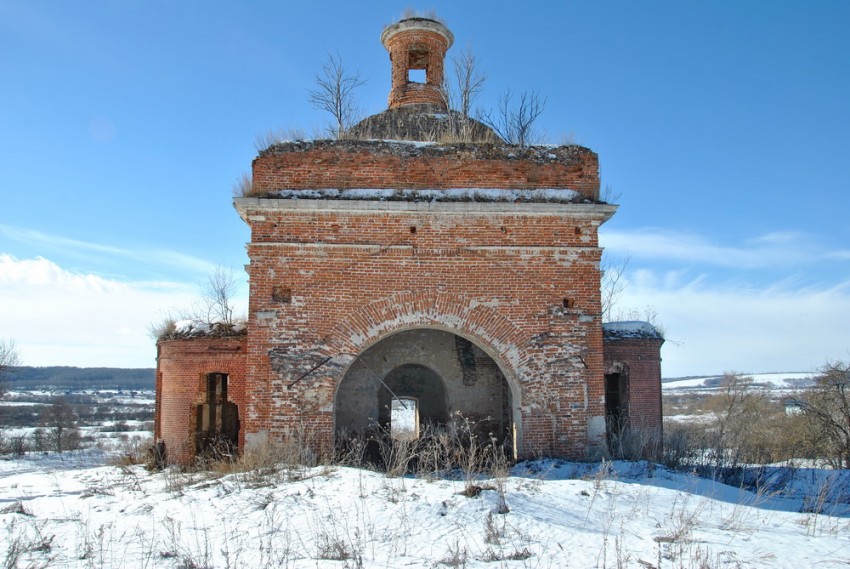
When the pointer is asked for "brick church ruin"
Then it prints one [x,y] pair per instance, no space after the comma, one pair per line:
[417,270]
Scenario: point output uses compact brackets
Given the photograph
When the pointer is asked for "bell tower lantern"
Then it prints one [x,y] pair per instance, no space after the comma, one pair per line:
[417,44]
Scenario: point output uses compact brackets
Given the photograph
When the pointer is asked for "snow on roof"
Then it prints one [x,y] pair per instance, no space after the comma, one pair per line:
[546,195]
[195,328]
[630,329]
[192,327]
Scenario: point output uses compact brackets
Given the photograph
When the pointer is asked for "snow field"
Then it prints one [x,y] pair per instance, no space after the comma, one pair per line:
[73,514]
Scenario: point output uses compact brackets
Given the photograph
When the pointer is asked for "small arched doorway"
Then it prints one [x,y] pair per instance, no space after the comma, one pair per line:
[446,375]
[411,392]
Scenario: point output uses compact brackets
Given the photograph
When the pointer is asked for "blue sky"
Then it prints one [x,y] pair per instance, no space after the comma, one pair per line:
[723,126]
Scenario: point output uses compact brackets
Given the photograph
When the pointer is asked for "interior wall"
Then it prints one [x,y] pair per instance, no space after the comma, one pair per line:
[472,382]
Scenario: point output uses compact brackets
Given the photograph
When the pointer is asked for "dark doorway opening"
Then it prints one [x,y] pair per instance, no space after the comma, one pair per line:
[616,408]
[217,420]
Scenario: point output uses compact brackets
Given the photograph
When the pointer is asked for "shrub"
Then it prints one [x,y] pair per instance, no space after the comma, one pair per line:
[826,411]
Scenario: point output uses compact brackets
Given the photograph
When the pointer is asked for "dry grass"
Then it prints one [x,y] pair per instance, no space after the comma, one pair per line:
[244,186]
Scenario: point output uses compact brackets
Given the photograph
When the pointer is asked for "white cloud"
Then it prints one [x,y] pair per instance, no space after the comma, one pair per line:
[776,249]
[40,272]
[59,317]
[75,247]
[711,329]
[718,320]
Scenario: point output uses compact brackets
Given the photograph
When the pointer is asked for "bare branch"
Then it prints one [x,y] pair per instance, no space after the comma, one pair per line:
[827,407]
[459,91]
[218,296]
[8,355]
[530,107]
[62,423]
[501,121]
[214,307]
[609,195]
[514,122]
[613,283]
[8,359]
[469,80]
[334,93]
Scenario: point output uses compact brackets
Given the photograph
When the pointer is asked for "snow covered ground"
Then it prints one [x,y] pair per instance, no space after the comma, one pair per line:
[108,418]
[793,381]
[72,510]
[110,397]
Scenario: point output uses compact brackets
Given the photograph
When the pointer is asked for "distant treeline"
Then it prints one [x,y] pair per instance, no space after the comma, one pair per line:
[76,378]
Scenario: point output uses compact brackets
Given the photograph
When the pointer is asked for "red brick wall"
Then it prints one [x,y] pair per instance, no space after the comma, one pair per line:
[642,356]
[330,278]
[381,165]
[182,367]
[499,278]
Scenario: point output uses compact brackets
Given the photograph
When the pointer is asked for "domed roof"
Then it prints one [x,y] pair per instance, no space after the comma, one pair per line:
[423,123]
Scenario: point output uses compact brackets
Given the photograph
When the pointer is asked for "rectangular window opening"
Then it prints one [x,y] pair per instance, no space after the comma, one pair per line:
[417,76]
[404,418]
[216,387]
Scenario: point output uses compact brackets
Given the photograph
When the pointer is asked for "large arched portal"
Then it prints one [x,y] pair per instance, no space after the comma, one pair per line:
[436,375]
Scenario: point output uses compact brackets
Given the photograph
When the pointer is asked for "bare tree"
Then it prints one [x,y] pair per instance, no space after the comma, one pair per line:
[514,121]
[468,81]
[217,300]
[733,405]
[214,307]
[61,422]
[8,359]
[334,93]
[460,90]
[613,283]
[741,431]
[827,408]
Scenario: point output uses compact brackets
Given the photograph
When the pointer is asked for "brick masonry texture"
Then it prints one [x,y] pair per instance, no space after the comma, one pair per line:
[501,279]
[182,367]
[639,359]
[349,164]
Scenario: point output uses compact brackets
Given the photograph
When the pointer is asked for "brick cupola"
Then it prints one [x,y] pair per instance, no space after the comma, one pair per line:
[417,43]
[418,108]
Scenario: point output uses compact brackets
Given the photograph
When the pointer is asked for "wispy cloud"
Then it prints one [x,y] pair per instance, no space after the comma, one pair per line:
[776,249]
[62,317]
[773,302]
[89,250]
[840,255]
[711,328]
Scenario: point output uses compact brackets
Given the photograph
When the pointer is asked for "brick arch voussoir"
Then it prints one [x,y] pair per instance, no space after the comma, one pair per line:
[483,324]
